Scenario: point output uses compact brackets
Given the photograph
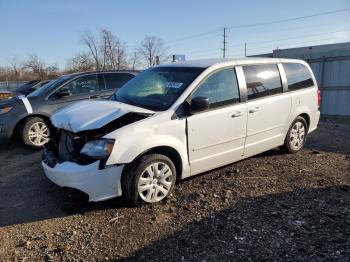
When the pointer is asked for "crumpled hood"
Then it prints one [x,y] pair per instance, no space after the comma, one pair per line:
[89,115]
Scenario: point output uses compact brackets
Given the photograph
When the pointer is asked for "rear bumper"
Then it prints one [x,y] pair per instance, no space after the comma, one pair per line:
[98,184]
[315,118]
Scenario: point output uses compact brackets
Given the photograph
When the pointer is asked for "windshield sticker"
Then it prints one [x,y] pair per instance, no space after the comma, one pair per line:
[173,84]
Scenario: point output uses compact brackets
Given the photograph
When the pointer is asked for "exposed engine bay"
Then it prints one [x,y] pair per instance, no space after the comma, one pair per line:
[66,145]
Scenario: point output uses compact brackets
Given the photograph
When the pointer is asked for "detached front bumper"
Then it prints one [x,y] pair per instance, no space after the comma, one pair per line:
[98,184]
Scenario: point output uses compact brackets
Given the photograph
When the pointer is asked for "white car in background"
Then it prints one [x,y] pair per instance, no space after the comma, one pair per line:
[178,120]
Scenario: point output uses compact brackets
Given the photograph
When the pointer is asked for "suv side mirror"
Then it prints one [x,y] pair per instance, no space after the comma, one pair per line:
[62,92]
[199,104]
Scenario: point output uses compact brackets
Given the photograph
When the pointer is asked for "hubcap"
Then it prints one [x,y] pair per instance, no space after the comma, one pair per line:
[155,182]
[38,133]
[297,136]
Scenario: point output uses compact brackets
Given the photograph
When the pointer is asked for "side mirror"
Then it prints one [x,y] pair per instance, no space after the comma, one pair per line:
[199,104]
[62,92]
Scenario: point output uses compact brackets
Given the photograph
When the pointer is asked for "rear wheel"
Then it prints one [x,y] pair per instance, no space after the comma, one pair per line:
[35,132]
[150,179]
[296,136]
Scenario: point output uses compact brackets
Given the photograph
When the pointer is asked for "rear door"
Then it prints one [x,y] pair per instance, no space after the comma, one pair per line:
[268,108]
[113,81]
[80,88]
[216,136]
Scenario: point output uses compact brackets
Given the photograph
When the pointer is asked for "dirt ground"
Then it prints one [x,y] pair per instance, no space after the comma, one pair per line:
[270,207]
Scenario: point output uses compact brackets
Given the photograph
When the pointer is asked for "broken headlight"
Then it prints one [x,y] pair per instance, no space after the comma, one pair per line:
[98,149]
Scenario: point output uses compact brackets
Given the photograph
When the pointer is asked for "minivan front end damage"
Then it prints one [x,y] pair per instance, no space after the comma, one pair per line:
[78,159]
[98,184]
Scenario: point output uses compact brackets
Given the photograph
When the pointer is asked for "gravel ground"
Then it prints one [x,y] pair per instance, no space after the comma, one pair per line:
[270,207]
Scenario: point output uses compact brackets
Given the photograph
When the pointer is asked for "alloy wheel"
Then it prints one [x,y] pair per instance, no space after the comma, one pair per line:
[297,136]
[155,182]
[38,133]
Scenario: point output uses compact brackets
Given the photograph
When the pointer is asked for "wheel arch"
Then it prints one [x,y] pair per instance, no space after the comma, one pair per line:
[307,119]
[167,151]
[20,123]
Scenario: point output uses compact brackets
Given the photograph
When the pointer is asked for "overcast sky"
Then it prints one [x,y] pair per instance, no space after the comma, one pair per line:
[51,29]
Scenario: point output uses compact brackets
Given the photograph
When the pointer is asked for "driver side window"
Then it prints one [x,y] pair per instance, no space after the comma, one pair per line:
[221,88]
[82,85]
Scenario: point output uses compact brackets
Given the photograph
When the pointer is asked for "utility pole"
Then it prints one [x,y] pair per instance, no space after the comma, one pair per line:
[224,42]
[245,49]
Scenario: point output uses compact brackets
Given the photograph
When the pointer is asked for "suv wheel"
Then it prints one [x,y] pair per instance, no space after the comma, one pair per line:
[150,179]
[296,136]
[35,132]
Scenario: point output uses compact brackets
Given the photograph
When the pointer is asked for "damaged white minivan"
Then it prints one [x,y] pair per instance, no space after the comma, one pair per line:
[178,120]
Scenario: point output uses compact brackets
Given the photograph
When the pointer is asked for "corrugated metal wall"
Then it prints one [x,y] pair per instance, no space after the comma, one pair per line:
[331,66]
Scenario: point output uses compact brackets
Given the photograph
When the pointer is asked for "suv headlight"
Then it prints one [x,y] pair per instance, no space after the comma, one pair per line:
[98,149]
[5,110]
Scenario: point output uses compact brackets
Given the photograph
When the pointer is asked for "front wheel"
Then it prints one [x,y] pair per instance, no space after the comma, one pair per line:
[35,132]
[150,179]
[296,136]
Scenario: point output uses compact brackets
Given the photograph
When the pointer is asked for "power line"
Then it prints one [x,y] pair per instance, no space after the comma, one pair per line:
[289,19]
[258,24]
[254,45]
[192,36]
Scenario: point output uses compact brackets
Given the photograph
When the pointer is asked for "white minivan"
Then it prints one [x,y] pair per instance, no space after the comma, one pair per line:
[178,120]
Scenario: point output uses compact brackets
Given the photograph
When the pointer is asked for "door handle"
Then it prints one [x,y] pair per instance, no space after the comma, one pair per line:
[254,109]
[95,96]
[237,114]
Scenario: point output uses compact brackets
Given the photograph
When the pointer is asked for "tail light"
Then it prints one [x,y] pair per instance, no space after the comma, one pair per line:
[319,98]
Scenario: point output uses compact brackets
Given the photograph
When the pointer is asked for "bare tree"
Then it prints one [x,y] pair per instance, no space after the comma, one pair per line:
[150,48]
[113,51]
[134,61]
[52,71]
[106,49]
[90,40]
[80,62]
[15,67]
[34,64]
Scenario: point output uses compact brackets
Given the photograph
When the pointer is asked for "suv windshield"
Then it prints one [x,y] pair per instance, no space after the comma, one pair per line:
[157,88]
[49,86]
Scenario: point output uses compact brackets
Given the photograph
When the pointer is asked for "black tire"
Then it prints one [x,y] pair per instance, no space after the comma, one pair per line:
[134,171]
[26,128]
[288,145]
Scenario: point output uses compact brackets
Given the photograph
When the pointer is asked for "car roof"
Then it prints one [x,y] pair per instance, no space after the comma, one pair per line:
[134,72]
[205,63]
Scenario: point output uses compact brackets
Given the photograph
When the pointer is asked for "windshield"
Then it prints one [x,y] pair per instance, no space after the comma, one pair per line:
[157,88]
[49,86]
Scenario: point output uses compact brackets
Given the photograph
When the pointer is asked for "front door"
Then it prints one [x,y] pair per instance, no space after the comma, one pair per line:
[216,136]
[81,88]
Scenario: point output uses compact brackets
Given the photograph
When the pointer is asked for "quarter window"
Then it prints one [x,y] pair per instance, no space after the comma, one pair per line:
[220,88]
[262,80]
[298,76]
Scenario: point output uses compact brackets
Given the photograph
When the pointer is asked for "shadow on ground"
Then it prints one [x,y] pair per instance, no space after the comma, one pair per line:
[27,195]
[303,225]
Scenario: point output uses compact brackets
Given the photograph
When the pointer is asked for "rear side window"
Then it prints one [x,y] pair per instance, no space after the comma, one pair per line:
[262,80]
[115,81]
[298,76]
[220,88]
